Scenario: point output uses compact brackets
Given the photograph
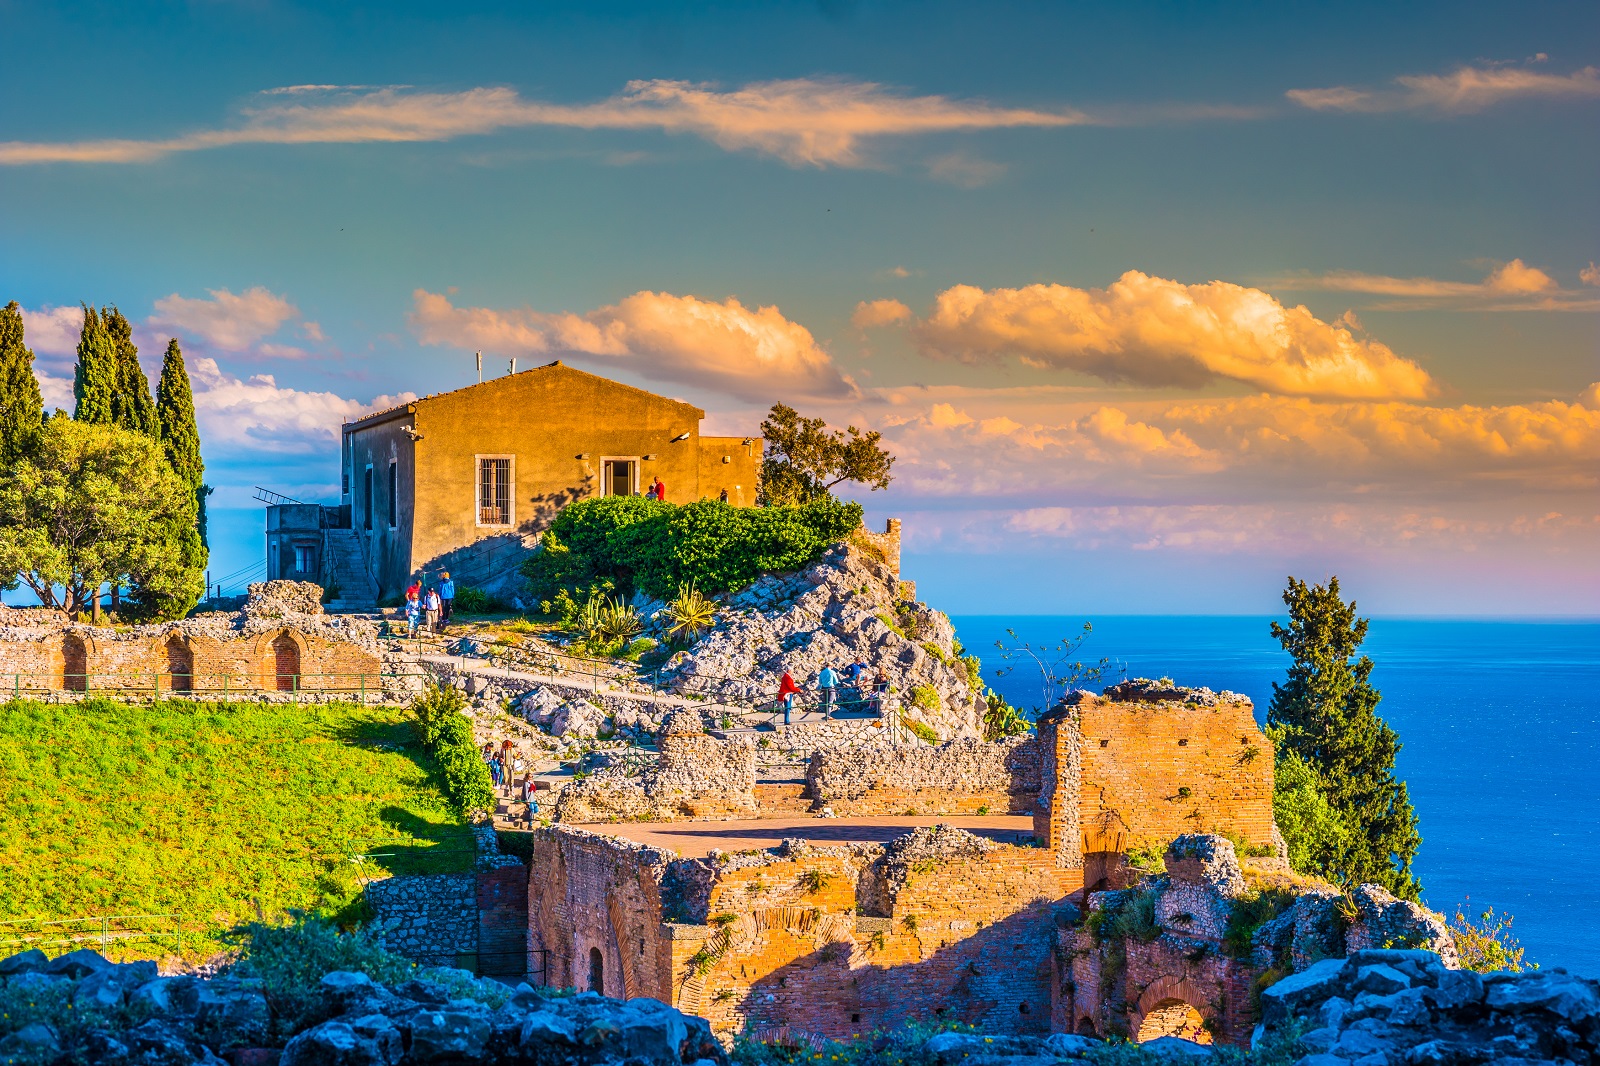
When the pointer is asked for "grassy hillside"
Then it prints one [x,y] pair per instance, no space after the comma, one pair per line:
[216,811]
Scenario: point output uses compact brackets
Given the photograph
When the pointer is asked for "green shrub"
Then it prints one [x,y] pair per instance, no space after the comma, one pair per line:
[1001,720]
[471,600]
[1251,913]
[291,959]
[920,730]
[447,734]
[1486,945]
[925,697]
[662,547]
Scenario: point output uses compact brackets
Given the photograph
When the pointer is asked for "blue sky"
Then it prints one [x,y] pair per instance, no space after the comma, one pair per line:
[1155,303]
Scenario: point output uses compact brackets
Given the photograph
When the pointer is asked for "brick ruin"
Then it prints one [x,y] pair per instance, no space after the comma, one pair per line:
[279,641]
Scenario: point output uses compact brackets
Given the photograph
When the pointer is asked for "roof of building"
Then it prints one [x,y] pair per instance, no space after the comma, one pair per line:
[410,405]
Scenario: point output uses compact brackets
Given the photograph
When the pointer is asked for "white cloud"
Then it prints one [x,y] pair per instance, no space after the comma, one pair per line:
[255,416]
[1465,89]
[869,314]
[227,321]
[751,353]
[53,330]
[1153,331]
[1511,286]
[802,121]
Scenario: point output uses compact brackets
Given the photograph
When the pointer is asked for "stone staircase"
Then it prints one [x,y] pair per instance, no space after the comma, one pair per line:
[345,566]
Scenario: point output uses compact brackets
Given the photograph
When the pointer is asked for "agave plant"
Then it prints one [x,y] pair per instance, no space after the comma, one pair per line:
[609,621]
[692,613]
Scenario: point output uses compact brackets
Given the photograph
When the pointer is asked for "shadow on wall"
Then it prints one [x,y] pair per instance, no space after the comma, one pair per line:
[491,562]
[996,978]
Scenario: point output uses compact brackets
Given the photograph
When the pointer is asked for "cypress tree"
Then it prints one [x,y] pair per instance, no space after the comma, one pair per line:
[94,379]
[21,405]
[178,432]
[1326,713]
[131,405]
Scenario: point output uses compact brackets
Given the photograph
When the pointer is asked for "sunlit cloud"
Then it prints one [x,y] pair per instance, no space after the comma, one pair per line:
[803,121]
[1512,286]
[250,417]
[1154,331]
[870,314]
[751,353]
[227,321]
[53,330]
[1465,89]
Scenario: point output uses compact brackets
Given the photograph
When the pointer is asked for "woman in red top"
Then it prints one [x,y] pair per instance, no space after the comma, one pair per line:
[787,690]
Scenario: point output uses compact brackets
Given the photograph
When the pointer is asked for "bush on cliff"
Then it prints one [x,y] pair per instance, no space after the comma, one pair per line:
[290,960]
[447,735]
[660,548]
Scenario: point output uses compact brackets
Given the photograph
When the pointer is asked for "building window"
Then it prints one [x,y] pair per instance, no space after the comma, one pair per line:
[394,494]
[366,500]
[494,491]
[305,558]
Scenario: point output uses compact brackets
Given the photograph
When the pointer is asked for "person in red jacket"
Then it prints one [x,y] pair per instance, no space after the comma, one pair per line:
[787,690]
[661,489]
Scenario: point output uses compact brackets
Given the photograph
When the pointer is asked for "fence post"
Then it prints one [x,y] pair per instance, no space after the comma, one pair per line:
[105,929]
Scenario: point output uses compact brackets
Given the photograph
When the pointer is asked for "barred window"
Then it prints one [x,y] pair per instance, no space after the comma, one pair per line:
[494,492]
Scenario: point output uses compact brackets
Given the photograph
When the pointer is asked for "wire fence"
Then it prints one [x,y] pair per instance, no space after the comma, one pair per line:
[108,933]
[158,684]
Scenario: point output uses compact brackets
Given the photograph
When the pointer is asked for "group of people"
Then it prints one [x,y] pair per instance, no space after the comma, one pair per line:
[872,689]
[430,606]
[509,772]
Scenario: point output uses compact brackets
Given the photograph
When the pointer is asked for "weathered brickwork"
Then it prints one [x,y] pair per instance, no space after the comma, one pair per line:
[957,777]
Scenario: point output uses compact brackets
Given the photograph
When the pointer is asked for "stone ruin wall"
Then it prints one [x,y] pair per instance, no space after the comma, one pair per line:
[957,777]
[429,918]
[212,653]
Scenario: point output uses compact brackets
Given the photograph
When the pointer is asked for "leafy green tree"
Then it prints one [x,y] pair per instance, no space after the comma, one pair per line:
[804,459]
[131,405]
[1316,835]
[1326,715]
[94,378]
[178,432]
[96,503]
[21,405]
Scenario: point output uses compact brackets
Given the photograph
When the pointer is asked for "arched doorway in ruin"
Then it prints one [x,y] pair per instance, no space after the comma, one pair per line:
[180,664]
[597,971]
[1173,1017]
[74,663]
[286,662]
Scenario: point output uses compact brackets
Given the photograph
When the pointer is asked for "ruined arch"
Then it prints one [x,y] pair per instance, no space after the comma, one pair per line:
[597,971]
[1176,1007]
[282,655]
[75,654]
[180,663]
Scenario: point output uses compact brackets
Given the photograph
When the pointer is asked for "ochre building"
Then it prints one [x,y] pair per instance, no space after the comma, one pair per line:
[487,467]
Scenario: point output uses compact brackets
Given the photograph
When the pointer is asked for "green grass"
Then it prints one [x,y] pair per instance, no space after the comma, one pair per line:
[215,811]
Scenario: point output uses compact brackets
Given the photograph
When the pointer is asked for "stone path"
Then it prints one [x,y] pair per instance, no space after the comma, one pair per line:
[695,839]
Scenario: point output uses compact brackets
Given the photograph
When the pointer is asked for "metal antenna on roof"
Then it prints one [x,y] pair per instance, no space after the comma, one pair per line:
[480,368]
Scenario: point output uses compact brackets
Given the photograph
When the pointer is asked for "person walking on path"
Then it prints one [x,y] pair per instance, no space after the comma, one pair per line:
[430,607]
[787,690]
[828,686]
[505,764]
[447,597]
[530,797]
[413,614]
[494,771]
[659,488]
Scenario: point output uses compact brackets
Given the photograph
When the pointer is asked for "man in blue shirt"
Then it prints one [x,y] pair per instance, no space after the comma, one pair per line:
[447,596]
[828,686]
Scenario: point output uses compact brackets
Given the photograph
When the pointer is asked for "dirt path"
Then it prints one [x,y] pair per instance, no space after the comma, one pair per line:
[695,839]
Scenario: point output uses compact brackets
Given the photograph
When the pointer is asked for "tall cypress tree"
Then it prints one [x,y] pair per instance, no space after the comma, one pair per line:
[1326,713]
[21,406]
[131,405]
[178,432]
[94,379]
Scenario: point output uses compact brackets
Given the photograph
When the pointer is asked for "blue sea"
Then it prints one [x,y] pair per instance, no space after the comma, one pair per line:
[1500,722]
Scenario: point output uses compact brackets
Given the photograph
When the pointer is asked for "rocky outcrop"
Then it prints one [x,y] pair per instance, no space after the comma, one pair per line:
[1408,1007]
[81,1008]
[845,608]
[695,775]
[1323,922]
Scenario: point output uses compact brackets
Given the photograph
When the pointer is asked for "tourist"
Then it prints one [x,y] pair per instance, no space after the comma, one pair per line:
[529,792]
[505,762]
[659,489]
[413,614]
[880,692]
[495,771]
[447,597]
[787,690]
[430,607]
[414,589]
[722,497]
[827,685]
[518,765]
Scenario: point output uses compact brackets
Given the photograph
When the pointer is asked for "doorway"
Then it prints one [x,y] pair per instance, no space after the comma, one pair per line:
[286,659]
[74,664]
[620,477]
[180,664]
[597,971]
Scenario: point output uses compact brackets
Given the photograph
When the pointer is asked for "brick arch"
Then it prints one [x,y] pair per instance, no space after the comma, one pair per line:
[78,657]
[173,655]
[266,654]
[1164,991]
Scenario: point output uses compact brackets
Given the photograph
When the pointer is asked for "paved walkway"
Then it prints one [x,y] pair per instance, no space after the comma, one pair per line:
[696,839]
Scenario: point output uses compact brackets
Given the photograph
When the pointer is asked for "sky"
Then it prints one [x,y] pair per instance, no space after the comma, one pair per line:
[1155,304]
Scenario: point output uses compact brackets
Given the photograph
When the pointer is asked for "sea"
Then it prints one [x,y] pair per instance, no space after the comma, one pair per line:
[1500,722]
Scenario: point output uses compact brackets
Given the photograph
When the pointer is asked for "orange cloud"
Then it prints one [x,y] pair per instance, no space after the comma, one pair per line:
[1153,331]
[874,313]
[1465,89]
[227,321]
[1513,286]
[802,121]
[752,353]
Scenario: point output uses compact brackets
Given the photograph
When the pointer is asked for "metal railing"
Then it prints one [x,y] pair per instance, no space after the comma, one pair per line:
[160,684]
[58,936]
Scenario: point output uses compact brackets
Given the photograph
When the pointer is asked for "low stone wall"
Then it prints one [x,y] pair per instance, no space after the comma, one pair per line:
[957,777]
[429,918]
